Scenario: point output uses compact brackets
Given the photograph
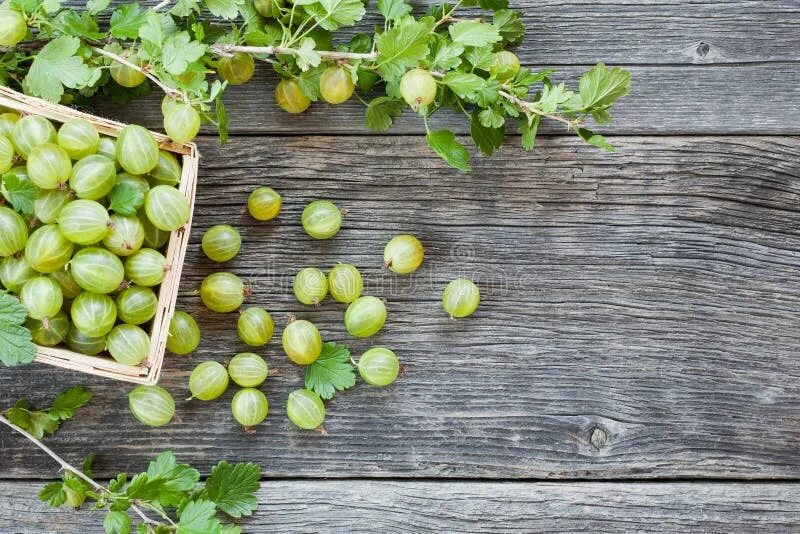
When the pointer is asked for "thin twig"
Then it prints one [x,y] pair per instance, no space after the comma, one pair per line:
[167,89]
[69,467]
[162,5]
[226,50]
[530,108]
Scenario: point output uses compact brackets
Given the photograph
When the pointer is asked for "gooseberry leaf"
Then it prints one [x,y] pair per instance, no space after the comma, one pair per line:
[53,494]
[21,194]
[117,522]
[184,8]
[393,9]
[402,47]
[331,372]
[600,86]
[67,402]
[381,112]
[222,119]
[93,7]
[474,33]
[126,21]
[480,57]
[179,50]
[447,56]
[509,25]
[79,25]
[55,67]
[491,118]
[528,127]
[333,14]
[198,517]
[596,140]
[15,340]
[486,139]
[227,9]
[464,84]
[125,199]
[305,54]
[444,143]
[233,488]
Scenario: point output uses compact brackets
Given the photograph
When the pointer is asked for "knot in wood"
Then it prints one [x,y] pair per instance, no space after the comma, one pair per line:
[703,49]
[598,438]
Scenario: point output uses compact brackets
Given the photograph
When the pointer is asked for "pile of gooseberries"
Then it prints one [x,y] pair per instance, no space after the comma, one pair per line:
[86,257]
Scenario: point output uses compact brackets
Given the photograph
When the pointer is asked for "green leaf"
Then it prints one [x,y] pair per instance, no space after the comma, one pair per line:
[381,113]
[65,405]
[233,487]
[197,517]
[56,67]
[332,371]
[151,30]
[361,43]
[595,139]
[15,340]
[447,56]
[486,139]
[553,96]
[474,33]
[53,494]
[492,5]
[600,87]
[464,84]
[125,199]
[480,58]
[333,14]
[528,127]
[117,523]
[509,25]
[88,462]
[126,21]
[444,143]
[402,47]
[179,51]
[36,423]
[20,193]
[491,118]
[79,24]
[184,8]
[93,7]
[51,6]
[179,480]
[393,9]
[226,9]
[144,488]
[305,55]
[222,119]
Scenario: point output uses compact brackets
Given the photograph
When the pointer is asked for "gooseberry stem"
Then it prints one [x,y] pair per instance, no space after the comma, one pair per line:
[528,107]
[66,466]
[226,50]
[167,89]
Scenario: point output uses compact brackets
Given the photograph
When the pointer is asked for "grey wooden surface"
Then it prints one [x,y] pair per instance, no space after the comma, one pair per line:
[640,318]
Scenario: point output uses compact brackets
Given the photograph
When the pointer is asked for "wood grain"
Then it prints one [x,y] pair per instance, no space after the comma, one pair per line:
[639,315]
[469,507]
[744,99]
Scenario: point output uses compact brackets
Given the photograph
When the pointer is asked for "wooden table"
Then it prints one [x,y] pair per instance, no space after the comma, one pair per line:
[634,364]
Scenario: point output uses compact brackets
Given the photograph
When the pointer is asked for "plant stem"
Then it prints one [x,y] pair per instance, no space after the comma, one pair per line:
[162,5]
[530,108]
[228,50]
[119,59]
[69,467]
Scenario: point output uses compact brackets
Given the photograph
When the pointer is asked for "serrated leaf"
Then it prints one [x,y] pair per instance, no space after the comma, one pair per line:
[53,494]
[117,523]
[600,86]
[126,21]
[125,199]
[222,120]
[226,9]
[402,47]
[492,5]
[184,8]
[179,50]
[179,480]
[18,348]
[480,58]
[447,56]
[553,96]
[332,371]
[88,462]
[93,7]
[233,488]
[491,118]
[464,84]
[528,127]
[197,517]
[305,55]
[20,193]
[66,403]
[381,112]
[509,25]
[51,6]
[361,43]
[56,66]
[474,33]
[595,139]
[333,14]
[393,9]
[151,30]
[11,310]
[444,143]
[486,139]
[79,24]
[38,424]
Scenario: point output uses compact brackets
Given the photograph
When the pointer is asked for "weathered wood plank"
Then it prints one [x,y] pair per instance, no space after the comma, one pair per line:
[664,100]
[640,314]
[469,507]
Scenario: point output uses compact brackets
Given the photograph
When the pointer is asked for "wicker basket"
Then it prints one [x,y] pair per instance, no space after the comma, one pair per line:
[149,370]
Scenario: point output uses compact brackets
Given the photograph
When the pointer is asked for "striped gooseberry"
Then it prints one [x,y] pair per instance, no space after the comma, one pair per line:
[49,332]
[123,74]
[147,267]
[12,26]
[248,370]
[418,88]
[15,232]
[403,254]
[321,219]
[221,242]
[154,238]
[8,120]
[93,314]
[31,131]
[84,222]
[167,170]
[7,153]
[136,305]
[310,286]
[345,283]
[290,97]
[125,235]
[237,69]
[42,297]
[222,292]
[181,122]
[301,342]
[166,207]
[47,249]
[97,270]
[505,65]
[136,149]
[128,344]
[68,286]
[184,334]
[379,366]
[14,272]
[49,203]
[136,182]
[249,407]
[461,298]
[264,203]
[108,148]
[255,326]
[208,381]
[151,405]
[336,85]
[79,138]
[365,316]
[93,177]
[85,344]
[305,409]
